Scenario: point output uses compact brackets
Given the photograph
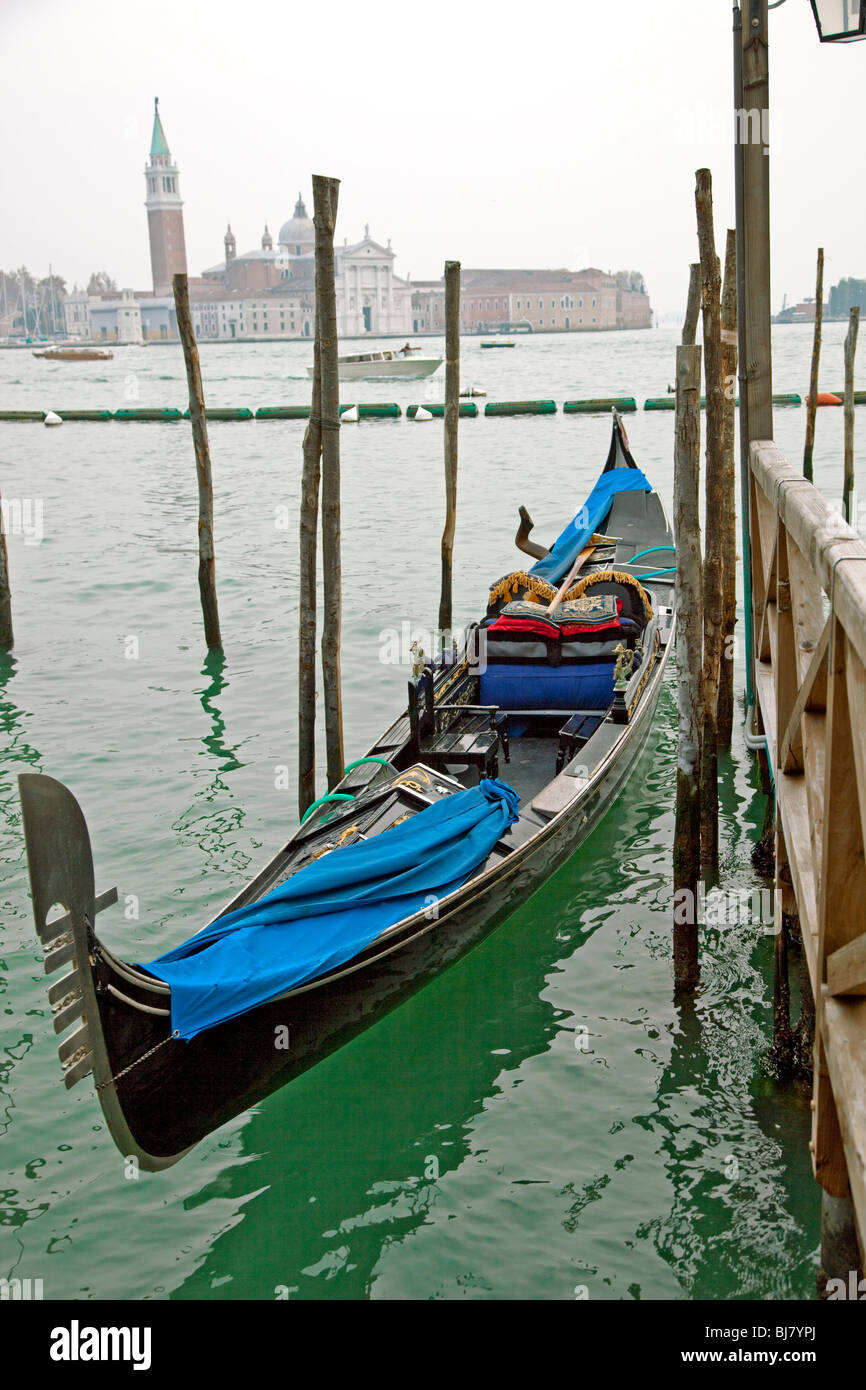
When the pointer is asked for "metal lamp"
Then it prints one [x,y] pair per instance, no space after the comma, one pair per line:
[840,21]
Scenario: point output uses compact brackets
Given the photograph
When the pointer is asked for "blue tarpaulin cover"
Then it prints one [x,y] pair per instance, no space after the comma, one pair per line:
[331,909]
[555,565]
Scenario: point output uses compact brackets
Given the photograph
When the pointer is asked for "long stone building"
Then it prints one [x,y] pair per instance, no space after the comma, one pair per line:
[547,301]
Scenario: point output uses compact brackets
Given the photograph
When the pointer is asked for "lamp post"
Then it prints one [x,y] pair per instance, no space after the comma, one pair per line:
[840,21]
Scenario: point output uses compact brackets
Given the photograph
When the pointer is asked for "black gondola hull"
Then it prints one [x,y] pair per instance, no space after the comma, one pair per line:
[183,1091]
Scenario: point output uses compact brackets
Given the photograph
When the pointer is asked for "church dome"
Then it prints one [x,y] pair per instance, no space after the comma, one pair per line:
[298,231]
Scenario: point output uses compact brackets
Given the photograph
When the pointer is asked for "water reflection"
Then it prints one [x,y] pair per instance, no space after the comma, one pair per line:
[214,820]
[346,1161]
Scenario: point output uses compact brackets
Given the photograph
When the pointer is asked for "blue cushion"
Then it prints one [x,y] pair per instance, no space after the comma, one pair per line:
[588,686]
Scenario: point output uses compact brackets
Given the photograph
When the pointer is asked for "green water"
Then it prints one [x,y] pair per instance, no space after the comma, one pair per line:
[539,1120]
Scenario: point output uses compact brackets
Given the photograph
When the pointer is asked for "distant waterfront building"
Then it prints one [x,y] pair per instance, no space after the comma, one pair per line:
[226,315]
[548,301]
[804,312]
[164,211]
[76,314]
[116,320]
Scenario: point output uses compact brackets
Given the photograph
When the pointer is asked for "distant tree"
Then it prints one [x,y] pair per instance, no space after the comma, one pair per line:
[630,280]
[846,295]
[101,282]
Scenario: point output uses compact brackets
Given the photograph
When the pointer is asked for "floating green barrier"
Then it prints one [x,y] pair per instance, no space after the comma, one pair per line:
[465,408]
[283,412]
[670,402]
[225,412]
[387,411]
[23,415]
[520,408]
[159,415]
[859,397]
[600,403]
[84,414]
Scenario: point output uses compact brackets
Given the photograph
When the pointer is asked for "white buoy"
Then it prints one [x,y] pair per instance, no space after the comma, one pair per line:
[350,416]
[51,418]
[422,414]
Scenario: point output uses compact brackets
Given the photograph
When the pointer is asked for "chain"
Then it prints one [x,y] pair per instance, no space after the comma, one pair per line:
[143,1058]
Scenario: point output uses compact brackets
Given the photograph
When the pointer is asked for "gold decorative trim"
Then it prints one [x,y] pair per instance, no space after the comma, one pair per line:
[613,576]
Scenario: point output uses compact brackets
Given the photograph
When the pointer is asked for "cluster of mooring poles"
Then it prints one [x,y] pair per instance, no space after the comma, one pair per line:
[321,465]
[705,586]
[849,396]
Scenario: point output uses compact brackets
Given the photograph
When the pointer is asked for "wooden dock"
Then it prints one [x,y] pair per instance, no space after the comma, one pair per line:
[809,609]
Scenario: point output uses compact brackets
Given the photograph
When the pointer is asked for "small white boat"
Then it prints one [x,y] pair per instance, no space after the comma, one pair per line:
[382,366]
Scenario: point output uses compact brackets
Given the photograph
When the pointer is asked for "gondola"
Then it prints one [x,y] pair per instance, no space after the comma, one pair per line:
[558,680]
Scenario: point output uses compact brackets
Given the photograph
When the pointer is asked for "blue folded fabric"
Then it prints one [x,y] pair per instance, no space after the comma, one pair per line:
[567,687]
[330,910]
[554,566]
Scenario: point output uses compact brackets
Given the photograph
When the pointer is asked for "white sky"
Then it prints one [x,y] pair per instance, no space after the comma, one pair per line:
[496,134]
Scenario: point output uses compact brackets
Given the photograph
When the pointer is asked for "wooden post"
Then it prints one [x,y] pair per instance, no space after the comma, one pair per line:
[693,306]
[325,194]
[309,521]
[752,188]
[711,293]
[812,399]
[6,636]
[849,492]
[728,518]
[754,105]
[452,415]
[198,420]
[688,657]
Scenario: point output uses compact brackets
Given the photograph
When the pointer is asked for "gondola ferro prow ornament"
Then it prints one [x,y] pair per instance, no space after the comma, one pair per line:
[60,861]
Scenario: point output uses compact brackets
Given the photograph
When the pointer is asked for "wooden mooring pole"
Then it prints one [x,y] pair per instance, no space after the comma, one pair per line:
[812,398]
[693,306]
[198,420]
[309,522]
[849,493]
[687,537]
[325,195]
[452,415]
[752,188]
[712,583]
[6,636]
[728,518]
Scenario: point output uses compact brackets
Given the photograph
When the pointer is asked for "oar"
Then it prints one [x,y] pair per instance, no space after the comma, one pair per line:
[594,542]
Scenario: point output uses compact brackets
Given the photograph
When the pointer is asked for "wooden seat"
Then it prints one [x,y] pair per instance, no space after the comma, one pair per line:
[446,734]
[574,735]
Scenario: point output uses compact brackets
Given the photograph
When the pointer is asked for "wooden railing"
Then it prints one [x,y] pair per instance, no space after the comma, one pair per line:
[809,594]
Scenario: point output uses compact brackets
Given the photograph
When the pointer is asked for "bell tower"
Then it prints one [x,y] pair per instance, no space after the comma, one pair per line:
[164,210]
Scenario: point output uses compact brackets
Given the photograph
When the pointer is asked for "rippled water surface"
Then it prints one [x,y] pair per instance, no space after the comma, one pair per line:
[465,1147]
